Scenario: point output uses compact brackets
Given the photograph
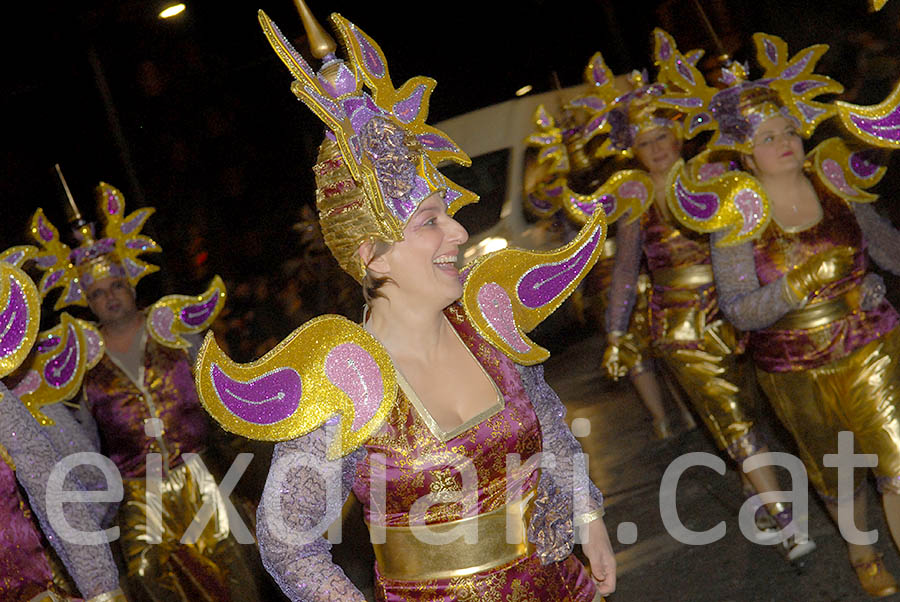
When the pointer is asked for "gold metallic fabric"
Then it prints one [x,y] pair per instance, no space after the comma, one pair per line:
[713,378]
[407,555]
[692,276]
[858,393]
[206,570]
[819,314]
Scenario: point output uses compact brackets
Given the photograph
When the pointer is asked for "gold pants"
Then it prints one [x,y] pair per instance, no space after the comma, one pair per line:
[215,568]
[714,380]
[859,393]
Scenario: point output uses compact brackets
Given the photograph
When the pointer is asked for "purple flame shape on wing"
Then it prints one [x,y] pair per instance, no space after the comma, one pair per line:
[408,109]
[60,369]
[195,315]
[586,207]
[13,320]
[544,283]
[134,221]
[885,128]
[267,399]
[598,72]
[14,258]
[45,232]
[370,56]
[46,344]
[665,49]
[700,206]
[495,306]
[435,142]
[138,244]
[862,165]
[112,203]
[771,51]
[684,70]
[355,372]
[805,86]
[134,270]
[792,71]
[539,203]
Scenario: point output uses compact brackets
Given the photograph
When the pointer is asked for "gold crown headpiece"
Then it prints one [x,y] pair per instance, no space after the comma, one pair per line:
[788,87]
[116,254]
[379,159]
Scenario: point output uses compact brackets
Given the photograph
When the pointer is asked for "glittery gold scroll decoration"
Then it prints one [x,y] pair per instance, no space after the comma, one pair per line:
[878,125]
[328,366]
[176,315]
[55,370]
[20,309]
[509,292]
[846,171]
[730,200]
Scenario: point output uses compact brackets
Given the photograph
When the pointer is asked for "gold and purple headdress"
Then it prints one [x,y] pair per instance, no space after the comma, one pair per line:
[115,254]
[379,159]
[788,87]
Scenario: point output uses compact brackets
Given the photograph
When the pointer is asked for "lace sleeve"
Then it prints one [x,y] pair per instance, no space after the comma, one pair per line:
[566,497]
[91,566]
[882,237]
[626,267]
[304,493]
[746,304]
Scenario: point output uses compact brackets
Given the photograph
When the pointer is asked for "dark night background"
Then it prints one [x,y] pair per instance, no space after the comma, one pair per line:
[194,115]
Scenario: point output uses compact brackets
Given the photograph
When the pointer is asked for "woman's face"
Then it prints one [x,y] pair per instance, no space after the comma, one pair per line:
[657,149]
[424,262]
[777,148]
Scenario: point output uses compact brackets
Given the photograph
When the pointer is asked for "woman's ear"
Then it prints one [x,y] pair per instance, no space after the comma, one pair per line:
[748,162]
[367,254]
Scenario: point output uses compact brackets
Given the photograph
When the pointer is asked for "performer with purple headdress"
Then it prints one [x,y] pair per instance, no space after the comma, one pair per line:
[562,159]
[36,562]
[433,412]
[792,236]
[700,349]
[141,398]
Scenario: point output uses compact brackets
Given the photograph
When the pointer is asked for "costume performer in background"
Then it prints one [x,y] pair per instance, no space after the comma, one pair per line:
[824,339]
[698,347]
[141,396]
[563,157]
[29,568]
[435,412]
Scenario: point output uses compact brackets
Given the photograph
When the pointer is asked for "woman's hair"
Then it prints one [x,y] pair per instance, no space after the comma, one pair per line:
[370,282]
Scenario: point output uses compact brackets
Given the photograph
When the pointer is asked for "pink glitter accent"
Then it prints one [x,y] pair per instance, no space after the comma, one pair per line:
[92,345]
[28,385]
[751,208]
[161,320]
[495,306]
[355,372]
[835,175]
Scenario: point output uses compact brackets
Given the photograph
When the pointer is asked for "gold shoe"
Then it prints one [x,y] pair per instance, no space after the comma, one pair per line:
[874,577]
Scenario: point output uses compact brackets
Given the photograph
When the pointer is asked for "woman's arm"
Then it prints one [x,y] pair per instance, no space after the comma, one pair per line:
[303,495]
[567,499]
[626,267]
[882,238]
[91,566]
[744,302]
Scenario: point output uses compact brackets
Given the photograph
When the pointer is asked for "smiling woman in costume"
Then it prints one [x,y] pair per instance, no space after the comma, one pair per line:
[434,412]
[792,237]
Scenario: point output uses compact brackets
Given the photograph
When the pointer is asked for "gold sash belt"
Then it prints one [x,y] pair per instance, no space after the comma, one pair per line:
[407,554]
[821,313]
[692,276]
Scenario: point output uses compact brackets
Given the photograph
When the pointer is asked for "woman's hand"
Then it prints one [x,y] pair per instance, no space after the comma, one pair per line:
[599,552]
